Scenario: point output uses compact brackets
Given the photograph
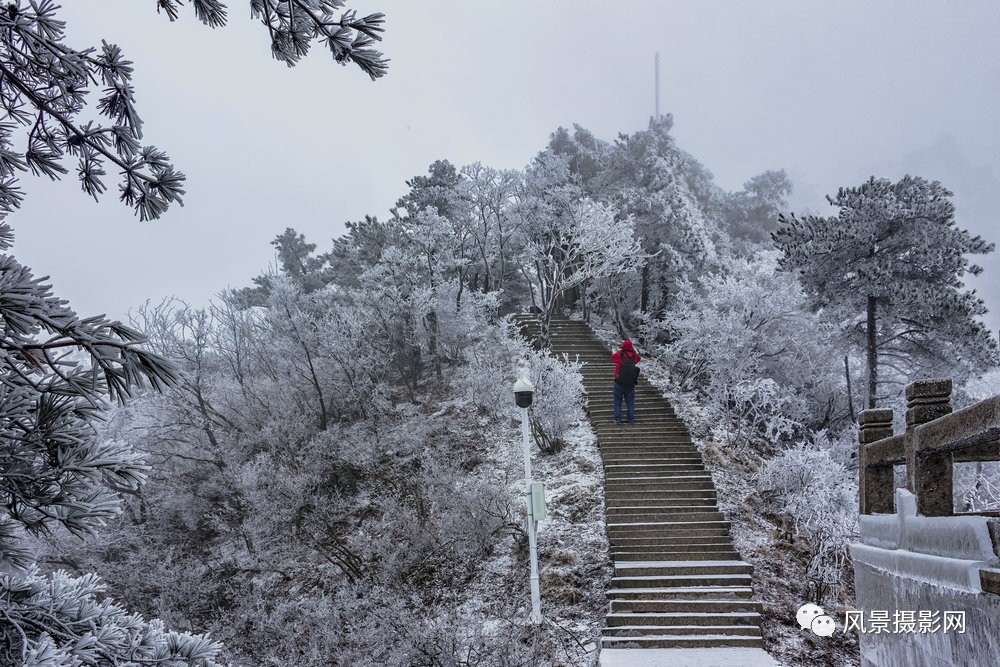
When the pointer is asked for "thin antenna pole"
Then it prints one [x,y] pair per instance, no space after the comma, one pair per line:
[657,85]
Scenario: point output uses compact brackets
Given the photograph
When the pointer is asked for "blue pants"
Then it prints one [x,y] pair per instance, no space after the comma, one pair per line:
[629,395]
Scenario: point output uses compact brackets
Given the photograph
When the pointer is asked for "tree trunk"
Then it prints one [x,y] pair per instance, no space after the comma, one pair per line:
[850,394]
[644,294]
[872,355]
[432,323]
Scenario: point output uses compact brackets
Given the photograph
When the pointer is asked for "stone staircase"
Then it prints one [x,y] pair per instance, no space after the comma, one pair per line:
[678,582]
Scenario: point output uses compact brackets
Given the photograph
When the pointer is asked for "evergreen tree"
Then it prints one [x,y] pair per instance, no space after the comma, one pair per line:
[890,266]
[664,190]
[750,217]
[58,370]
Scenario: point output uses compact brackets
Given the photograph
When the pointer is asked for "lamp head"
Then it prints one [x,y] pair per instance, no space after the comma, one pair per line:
[523,392]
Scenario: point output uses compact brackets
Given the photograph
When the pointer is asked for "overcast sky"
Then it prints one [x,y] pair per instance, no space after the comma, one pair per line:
[832,92]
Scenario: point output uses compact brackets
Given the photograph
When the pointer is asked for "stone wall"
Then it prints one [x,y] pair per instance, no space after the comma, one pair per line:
[912,563]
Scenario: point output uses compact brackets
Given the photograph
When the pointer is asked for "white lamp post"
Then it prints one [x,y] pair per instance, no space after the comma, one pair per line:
[523,393]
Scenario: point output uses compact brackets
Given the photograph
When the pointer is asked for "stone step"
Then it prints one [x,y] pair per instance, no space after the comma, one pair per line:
[655,477]
[667,462]
[615,463]
[680,593]
[687,473]
[683,618]
[615,488]
[654,448]
[652,454]
[672,453]
[668,531]
[646,446]
[651,458]
[683,512]
[633,458]
[652,496]
[638,433]
[707,548]
[600,394]
[643,630]
[682,641]
[643,426]
[642,429]
[703,553]
[666,491]
[667,520]
[655,468]
[611,481]
[618,513]
[699,547]
[627,495]
[627,435]
[697,606]
[649,517]
[682,580]
[643,423]
[656,502]
[677,541]
[691,483]
[624,443]
[640,450]
[679,505]
[602,414]
[714,567]
[695,479]
[637,476]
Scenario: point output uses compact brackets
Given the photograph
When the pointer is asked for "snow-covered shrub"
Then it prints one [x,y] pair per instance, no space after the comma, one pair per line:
[558,399]
[743,336]
[489,377]
[977,389]
[817,495]
[756,407]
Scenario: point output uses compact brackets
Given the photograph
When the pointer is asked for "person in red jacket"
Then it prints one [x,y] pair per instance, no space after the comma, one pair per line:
[625,381]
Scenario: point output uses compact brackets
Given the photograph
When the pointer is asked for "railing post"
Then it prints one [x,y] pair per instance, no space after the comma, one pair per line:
[876,482]
[928,474]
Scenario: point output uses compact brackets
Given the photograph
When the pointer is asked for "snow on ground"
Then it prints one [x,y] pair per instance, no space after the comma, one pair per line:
[573,561]
[572,541]
[686,657]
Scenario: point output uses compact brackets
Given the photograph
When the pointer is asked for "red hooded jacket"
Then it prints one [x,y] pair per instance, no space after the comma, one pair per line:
[627,352]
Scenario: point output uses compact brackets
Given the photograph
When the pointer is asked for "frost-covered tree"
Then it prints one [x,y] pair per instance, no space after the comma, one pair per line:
[894,249]
[569,239]
[494,225]
[667,193]
[751,215]
[744,336]
[816,496]
[57,372]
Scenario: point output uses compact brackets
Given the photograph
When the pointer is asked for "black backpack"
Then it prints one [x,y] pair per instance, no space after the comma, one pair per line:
[628,373]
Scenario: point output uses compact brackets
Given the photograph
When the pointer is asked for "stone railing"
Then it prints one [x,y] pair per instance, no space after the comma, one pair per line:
[935,439]
[915,555]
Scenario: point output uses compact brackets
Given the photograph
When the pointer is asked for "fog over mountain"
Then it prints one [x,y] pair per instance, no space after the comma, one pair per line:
[832,92]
